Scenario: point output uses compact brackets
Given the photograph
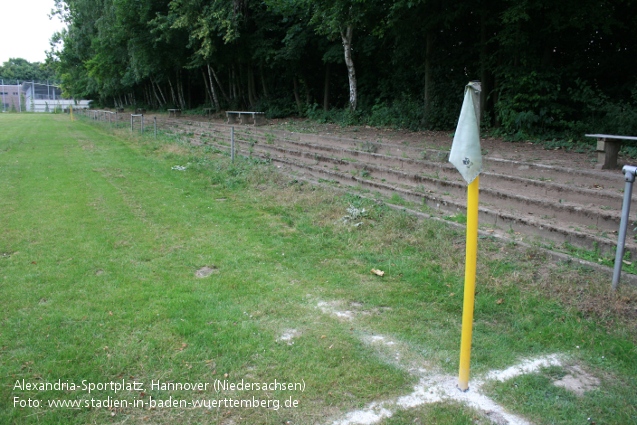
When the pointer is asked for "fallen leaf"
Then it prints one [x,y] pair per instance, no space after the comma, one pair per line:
[628,263]
[500,301]
[378,272]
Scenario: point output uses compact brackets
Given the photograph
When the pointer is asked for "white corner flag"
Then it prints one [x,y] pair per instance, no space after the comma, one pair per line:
[465,153]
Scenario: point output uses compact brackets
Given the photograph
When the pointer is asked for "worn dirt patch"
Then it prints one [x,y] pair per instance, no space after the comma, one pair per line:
[171,148]
[577,380]
[86,145]
[289,335]
[206,271]
[332,308]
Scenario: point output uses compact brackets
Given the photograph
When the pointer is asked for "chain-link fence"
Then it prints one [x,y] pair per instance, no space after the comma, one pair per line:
[31,96]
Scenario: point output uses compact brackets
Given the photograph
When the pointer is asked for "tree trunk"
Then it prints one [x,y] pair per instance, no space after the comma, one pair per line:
[208,97]
[296,95]
[188,90]
[494,102]
[263,85]
[149,97]
[428,50]
[351,72]
[252,95]
[308,96]
[231,83]
[180,91]
[172,92]
[235,91]
[213,91]
[326,89]
[484,72]
[242,93]
[154,87]
[214,74]
[160,92]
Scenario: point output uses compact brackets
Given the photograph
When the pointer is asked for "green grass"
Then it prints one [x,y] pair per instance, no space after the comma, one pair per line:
[438,413]
[457,218]
[595,256]
[100,240]
[545,403]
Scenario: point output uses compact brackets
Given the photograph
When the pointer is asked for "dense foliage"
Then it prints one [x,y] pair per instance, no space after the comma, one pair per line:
[546,67]
[17,69]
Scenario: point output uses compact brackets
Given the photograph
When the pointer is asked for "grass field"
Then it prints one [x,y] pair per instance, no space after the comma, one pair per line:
[101,242]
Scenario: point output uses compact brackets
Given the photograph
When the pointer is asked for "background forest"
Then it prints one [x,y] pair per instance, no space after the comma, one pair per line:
[547,67]
[17,70]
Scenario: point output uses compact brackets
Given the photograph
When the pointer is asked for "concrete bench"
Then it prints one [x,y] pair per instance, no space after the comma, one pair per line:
[258,118]
[608,149]
[174,113]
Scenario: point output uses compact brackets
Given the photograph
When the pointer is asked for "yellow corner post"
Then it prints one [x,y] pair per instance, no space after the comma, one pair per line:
[71,111]
[469,283]
[466,156]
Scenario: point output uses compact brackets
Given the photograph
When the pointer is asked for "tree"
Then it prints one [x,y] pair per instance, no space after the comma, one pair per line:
[404,61]
[339,18]
[21,69]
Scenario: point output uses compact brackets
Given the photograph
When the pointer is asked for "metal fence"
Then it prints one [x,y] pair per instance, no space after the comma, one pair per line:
[32,96]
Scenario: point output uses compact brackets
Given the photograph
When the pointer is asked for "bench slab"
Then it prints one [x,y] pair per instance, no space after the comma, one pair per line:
[608,146]
[258,118]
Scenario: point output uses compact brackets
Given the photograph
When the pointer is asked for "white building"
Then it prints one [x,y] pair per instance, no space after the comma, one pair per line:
[47,98]
[35,97]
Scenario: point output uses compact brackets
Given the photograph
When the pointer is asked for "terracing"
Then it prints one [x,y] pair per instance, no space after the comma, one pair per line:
[527,193]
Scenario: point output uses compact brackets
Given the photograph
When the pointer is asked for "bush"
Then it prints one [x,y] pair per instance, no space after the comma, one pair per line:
[401,113]
[277,108]
[538,106]
[529,105]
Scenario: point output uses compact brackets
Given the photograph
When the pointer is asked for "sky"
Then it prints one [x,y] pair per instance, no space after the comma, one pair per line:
[26,29]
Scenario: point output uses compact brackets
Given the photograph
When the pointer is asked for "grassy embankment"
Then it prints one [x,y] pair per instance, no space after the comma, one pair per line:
[101,239]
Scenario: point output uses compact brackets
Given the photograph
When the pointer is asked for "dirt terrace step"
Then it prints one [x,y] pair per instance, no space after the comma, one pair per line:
[560,200]
[545,233]
[604,220]
[576,186]
[499,221]
[565,210]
